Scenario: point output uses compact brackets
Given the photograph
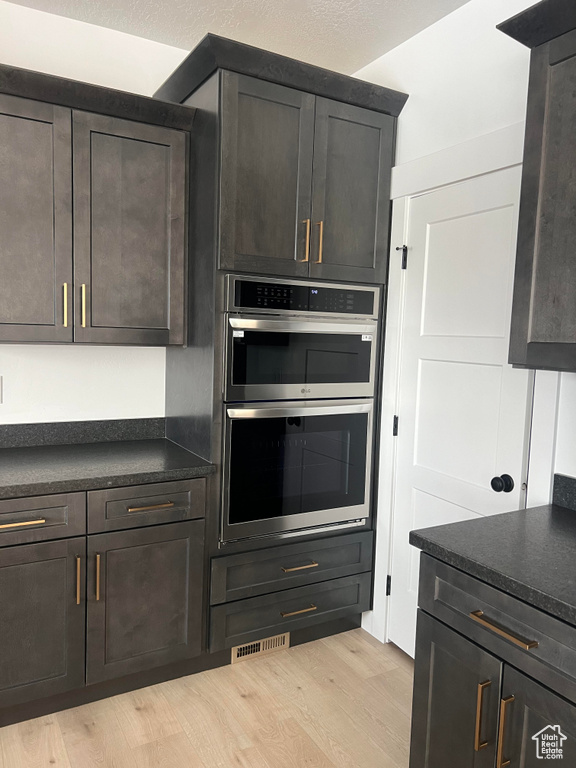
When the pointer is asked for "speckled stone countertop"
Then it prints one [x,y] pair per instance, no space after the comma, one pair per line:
[530,554]
[44,469]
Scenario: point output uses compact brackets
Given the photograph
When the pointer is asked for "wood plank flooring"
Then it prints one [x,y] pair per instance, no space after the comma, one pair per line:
[340,702]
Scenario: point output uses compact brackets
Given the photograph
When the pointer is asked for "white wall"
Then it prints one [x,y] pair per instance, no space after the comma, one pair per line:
[75,383]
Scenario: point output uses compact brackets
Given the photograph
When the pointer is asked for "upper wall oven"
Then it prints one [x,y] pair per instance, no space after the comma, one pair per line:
[293,340]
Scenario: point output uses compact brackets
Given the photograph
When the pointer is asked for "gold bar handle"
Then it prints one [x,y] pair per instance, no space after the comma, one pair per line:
[296,613]
[501,762]
[320,241]
[478,744]
[83,289]
[153,506]
[527,645]
[97,578]
[78,563]
[307,246]
[21,525]
[65,299]
[313,564]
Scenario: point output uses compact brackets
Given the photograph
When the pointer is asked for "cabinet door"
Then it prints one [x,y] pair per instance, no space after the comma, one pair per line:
[353,152]
[35,221]
[535,724]
[455,706]
[144,598]
[267,145]
[42,624]
[543,331]
[129,231]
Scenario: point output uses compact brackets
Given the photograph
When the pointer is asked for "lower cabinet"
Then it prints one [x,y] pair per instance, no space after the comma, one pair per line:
[42,619]
[144,598]
[472,710]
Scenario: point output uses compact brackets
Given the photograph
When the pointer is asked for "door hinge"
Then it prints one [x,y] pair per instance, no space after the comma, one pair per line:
[395,427]
[388,585]
[404,249]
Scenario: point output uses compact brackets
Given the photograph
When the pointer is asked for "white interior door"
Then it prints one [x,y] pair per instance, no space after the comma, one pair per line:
[464,413]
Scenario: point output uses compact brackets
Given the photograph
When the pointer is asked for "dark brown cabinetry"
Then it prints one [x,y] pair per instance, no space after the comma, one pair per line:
[543,331]
[35,221]
[144,598]
[93,227]
[305,185]
[42,624]
[486,664]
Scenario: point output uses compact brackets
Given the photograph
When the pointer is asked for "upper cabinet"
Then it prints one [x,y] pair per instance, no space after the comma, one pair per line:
[305,185]
[93,221]
[294,164]
[543,331]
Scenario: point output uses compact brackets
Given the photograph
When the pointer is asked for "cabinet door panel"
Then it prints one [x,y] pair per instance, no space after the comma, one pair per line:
[536,712]
[42,626]
[149,610]
[129,236]
[351,192]
[446,711]
[35,220]
[267,144]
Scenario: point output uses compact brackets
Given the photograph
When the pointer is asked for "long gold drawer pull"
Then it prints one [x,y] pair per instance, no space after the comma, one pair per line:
[313,564]
[501,762]
[78,563]
[320,241]
[83,290]
[307,246]
[527,645]
[26,522]
[478,744]
[65,305]
[97,578]
[295,613]
[153,506]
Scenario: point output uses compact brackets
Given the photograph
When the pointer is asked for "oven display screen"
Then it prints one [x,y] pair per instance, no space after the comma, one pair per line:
[303,298]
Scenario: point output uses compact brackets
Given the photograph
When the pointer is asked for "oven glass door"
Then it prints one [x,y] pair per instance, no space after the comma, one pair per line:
[295,467]
[271,359]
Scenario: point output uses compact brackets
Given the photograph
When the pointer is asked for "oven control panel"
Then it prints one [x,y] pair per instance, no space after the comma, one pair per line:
[303,297]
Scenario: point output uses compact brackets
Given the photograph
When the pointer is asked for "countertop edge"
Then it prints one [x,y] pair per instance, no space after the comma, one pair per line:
[541,600]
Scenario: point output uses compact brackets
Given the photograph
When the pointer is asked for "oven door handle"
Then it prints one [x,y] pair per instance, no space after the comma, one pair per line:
[297,410]
[300,326]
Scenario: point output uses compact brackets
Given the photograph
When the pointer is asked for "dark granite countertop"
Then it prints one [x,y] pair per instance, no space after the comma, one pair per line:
[35,471]
[531,554]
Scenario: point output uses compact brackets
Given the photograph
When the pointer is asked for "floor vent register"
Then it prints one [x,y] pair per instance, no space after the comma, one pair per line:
[261,647]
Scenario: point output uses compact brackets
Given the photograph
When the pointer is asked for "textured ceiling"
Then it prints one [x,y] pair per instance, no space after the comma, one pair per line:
[342,35]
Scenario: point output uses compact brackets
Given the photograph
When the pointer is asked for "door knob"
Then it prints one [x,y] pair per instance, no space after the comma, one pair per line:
[503,483]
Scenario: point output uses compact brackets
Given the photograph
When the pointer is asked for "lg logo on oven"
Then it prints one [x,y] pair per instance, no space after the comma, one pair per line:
[305,390]
[549,743]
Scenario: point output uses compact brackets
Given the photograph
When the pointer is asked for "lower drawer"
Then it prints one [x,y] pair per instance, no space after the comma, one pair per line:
[247,620]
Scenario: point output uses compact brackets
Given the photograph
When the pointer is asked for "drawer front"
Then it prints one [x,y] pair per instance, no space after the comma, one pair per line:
[526,637]
[249,574]
[139,505]
[41,518]
[247,620]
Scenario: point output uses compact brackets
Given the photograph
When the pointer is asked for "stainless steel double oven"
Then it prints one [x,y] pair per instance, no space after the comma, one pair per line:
[300,368]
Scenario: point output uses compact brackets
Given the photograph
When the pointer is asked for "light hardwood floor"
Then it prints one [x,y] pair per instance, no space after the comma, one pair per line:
[340,702]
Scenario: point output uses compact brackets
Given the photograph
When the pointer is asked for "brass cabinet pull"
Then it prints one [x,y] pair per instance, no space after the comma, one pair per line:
[78,560]
[83,305]
[527,645]
[320,241]
[313,564]
[295,613]
[307,246]
[478,744]
[501,762]
[153,506]
[26,522]
[65,305]
[97,578]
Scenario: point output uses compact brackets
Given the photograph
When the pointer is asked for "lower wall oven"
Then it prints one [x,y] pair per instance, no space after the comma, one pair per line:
[294,466]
